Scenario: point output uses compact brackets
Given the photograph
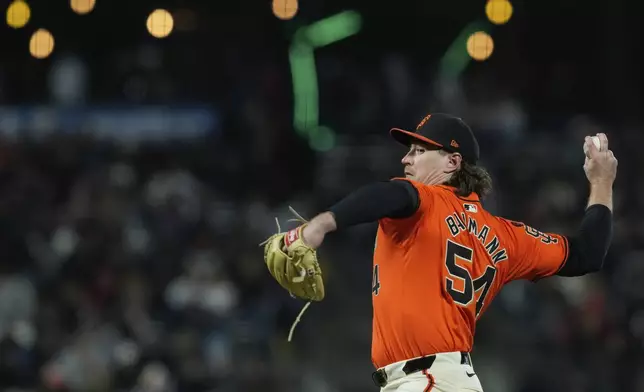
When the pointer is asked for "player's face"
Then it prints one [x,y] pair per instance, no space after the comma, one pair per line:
[429,165]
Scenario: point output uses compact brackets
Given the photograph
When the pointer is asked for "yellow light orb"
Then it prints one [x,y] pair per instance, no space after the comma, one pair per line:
[18,14]
[41,44]
[160,23]
[285,9]
[82,6]
[480,46]
[498,11]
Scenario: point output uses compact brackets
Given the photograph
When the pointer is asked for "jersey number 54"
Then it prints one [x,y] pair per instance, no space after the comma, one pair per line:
[471,286]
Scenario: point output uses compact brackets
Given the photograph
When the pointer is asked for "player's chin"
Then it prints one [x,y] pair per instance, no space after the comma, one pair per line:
[409,176]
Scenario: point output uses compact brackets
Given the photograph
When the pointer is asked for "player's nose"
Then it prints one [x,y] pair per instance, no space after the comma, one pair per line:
[406,160]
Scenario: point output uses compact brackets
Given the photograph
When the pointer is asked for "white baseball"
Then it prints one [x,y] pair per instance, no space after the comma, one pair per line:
[596,142]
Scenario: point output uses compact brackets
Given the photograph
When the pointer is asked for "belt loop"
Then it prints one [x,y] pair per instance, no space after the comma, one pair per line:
[379,378]
[466,359]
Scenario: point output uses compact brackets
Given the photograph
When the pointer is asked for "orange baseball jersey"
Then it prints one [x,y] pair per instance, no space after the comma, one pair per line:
[436,272]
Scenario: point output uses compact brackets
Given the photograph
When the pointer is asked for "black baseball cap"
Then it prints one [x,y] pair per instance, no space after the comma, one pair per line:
[444,131]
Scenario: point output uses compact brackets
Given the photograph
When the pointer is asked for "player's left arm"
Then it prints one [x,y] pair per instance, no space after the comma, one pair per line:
[396,199]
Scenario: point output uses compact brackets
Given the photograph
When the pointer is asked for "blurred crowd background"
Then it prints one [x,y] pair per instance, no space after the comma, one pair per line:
[143,161]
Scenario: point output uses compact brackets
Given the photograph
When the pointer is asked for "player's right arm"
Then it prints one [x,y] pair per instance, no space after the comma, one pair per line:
[538,255]
[589,247]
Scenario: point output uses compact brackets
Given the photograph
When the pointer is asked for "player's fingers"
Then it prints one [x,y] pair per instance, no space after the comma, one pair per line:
[591,148]
[603,142]
[612,158]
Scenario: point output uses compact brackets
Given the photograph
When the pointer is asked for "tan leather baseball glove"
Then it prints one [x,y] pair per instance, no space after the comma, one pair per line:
[294,265]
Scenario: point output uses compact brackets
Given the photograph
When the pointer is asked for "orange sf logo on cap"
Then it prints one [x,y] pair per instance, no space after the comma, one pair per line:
[423,121]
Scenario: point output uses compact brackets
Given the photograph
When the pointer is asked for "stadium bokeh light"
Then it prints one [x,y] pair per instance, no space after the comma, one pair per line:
[41,44]
[18,14]
[498,11]
[82,6]
[480,46]
[285,9]
[160,23]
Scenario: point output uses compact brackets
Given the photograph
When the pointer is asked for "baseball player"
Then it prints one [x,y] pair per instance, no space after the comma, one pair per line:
[440,257]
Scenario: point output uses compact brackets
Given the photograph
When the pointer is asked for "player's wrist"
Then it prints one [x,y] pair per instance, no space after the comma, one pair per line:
[312,236]
[327,222]
[601,193]
[601,184]
[313,232]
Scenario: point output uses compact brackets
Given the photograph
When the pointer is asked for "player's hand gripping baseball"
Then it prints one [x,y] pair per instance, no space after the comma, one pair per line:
[600,165]
[601,168]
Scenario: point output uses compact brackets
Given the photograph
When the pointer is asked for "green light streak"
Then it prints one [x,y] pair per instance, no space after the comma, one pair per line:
[305,88]
[333,29]
[456,58]
[304,73]
[322,139]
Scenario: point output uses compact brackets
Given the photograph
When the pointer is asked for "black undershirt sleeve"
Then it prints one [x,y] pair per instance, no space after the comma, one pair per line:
[390,199]
[589,246]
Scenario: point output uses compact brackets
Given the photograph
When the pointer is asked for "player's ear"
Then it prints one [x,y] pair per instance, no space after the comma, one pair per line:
[454,162]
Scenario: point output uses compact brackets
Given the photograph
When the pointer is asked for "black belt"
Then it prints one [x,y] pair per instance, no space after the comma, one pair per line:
[379,377]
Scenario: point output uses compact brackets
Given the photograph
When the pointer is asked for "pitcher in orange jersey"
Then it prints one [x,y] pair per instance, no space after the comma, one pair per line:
[441,258]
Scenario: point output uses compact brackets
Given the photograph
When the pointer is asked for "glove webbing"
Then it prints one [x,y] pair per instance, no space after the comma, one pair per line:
[298,218]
